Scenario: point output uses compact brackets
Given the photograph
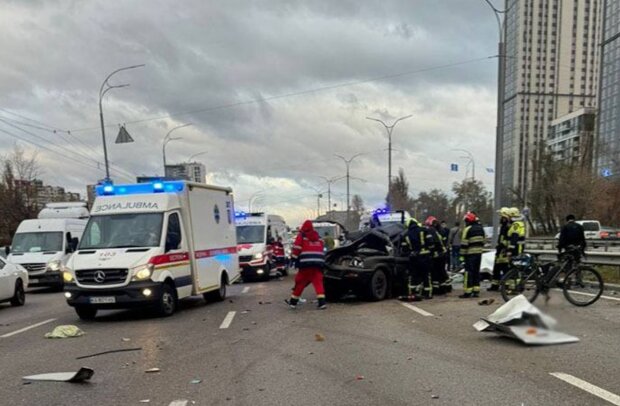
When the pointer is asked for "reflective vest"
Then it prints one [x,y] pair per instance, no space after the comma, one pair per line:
[472,242]
[516,238]
[312,254]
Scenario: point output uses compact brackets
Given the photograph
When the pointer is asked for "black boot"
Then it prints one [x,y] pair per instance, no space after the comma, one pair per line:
[322,304]
[465,296]
[292,302]
[475,294]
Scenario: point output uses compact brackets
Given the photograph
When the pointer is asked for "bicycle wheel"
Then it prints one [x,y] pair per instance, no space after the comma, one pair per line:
[583,286]
[520,282]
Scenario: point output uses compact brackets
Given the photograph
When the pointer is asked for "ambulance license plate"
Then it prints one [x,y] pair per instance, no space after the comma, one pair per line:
[102,299]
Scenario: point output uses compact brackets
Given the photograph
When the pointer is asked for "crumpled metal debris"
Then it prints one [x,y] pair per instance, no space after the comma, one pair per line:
[66,331]
[82,375]
[522,321]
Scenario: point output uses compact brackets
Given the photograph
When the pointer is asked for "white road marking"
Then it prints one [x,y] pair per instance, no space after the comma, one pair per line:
[181,402]
[228,319]
[591,295]
[416,309]
[26,328]
[246,289]
[588,387]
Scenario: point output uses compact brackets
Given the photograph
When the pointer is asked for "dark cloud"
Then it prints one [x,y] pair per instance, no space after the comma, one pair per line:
[209,60]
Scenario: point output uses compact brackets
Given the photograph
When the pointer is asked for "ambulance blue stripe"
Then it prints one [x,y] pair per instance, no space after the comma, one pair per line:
[183,281]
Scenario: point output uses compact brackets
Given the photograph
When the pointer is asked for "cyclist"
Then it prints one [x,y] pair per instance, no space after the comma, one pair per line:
[572,234]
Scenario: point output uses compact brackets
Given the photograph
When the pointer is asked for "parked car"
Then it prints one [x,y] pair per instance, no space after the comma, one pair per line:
[372,266]
[13,283]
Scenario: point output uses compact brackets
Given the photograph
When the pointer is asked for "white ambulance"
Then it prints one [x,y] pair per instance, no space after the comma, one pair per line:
[151,244]
[43,245]
[256,234]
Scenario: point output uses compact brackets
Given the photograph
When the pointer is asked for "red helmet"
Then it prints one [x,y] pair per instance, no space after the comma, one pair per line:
[429,221]
[470,217]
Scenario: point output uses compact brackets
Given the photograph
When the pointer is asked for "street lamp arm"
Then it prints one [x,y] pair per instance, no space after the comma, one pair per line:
[377,120]
[115,72]
[401,119]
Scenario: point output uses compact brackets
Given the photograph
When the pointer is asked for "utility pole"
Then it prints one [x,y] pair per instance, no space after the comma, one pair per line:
[318,204]
[347,163]
[500,16]
[105,87]
[470,156]
[389,129]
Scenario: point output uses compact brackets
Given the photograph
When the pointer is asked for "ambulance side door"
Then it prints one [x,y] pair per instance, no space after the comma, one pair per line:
[177,250]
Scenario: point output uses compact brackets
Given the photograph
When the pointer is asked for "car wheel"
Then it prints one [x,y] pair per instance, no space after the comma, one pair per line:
[378,286]
[217,295]
[19,298]
[167,302]
[86,312]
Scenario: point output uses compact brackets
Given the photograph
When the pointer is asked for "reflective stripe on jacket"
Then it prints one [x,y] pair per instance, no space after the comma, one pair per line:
[472,241]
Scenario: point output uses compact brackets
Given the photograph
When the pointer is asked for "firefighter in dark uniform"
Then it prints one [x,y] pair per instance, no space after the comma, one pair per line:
[420,261]
[439,252]
[472,246]
[501,249]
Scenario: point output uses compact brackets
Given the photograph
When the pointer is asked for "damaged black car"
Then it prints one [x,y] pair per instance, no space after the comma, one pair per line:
[374,266]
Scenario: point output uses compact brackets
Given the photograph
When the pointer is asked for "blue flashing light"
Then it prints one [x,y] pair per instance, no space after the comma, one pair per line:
[140,188]
[241,215]
[158,187]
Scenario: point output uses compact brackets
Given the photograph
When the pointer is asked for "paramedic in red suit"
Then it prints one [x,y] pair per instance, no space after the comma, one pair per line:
[309,256]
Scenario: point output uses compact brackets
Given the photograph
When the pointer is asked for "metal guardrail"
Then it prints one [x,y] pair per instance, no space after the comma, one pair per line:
[592,244]
[591,257]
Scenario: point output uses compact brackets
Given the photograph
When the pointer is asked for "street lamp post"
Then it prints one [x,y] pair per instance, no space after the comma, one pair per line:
[167,139]
[500,16]
[329,182]
[389,129]
[105,87]
[252,198]
[471,159]
[347,163]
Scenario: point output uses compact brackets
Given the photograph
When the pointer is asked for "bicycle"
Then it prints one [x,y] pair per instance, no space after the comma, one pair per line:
[582,285]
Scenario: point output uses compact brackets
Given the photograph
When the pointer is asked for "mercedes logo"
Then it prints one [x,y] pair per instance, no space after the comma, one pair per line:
[99,276]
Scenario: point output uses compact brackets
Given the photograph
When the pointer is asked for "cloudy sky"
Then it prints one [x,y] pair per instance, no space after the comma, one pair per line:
[273,90]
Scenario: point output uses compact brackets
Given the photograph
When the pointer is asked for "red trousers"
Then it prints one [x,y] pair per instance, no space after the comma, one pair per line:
[306,276]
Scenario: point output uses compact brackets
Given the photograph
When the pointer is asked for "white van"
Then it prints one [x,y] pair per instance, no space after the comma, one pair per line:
[151,244]
[256,232]
[331,228]
[43,245]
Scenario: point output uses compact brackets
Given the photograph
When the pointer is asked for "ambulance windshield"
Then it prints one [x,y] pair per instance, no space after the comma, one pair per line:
[123,231]
[250,234]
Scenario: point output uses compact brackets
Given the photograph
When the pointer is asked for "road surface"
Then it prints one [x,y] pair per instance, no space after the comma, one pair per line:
[252,350]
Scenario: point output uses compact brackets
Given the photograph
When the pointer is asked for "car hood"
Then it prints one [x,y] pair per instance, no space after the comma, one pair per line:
[111,258]
[34,257]
[251,249]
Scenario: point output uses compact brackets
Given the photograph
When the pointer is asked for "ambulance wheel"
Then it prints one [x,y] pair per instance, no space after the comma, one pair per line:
[86,312]
[167,301]
[217,295]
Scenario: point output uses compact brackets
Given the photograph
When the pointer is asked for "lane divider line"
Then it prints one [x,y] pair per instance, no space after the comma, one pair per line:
[26,328]
[417,309]
[227,320]
[246,289]
[180,402]
[591,295]
[588,387]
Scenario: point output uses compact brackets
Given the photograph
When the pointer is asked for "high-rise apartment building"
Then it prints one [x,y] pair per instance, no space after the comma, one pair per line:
[607,161]
[552,69]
